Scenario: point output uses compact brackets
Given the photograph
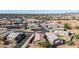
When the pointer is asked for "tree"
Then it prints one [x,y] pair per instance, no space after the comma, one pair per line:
[67,26]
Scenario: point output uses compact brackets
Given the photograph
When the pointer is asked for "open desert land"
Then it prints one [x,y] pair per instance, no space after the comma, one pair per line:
[74,24]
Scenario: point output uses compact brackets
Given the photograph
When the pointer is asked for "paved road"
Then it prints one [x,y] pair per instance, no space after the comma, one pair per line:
[19,45]
[43,29]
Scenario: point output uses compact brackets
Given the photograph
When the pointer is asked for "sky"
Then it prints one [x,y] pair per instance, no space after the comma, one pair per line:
[37,11]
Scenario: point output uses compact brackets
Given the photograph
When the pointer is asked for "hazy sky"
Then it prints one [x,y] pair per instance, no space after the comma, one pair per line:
[36,11]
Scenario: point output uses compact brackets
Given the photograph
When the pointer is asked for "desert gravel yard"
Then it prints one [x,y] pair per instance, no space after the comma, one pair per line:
[75,45]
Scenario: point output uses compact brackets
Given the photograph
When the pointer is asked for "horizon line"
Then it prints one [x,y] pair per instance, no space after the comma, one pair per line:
[37,11]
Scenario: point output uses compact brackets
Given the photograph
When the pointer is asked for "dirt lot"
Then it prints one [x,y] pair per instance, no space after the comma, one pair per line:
[71,22]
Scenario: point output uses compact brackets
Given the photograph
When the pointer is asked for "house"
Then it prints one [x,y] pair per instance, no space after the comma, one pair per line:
[53,39]
[12,36]
[58,29]
[33,26]
[4,21]
[32,20]
[17,20]
[61,33]
[16,36]
[2,30]
[4,35]
[51,26]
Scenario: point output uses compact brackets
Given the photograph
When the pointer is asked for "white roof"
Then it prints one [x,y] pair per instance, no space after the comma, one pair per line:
[13,35]
[16,19]
[32,24]
[4,34]
[51,36]
[58,28]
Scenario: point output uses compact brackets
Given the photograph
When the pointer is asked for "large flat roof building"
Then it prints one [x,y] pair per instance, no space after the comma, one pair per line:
[33,26]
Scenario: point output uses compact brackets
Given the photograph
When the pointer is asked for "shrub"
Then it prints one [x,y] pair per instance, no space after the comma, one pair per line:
[67,26]
[71,43]
[77,36]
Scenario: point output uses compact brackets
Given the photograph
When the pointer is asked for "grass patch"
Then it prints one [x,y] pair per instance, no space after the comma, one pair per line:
[44,44]
[69,43]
